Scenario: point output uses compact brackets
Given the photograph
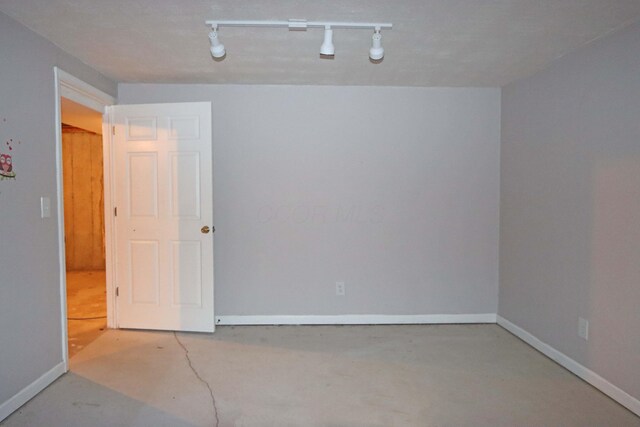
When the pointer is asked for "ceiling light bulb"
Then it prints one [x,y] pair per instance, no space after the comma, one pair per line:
[217,48]
[327,48]
[377,51]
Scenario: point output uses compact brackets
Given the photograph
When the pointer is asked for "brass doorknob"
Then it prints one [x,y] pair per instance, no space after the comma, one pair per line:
[205,229]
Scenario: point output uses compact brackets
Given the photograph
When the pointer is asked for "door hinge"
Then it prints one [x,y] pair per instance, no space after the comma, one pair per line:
[113,130]
[117,291]
[115,211]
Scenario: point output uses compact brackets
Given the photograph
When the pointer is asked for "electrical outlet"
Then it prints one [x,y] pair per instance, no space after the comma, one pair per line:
[583,328]
[340,288]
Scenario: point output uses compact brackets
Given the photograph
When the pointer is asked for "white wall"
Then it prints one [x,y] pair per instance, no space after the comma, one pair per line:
[394,191]
[570,206]
[30,340]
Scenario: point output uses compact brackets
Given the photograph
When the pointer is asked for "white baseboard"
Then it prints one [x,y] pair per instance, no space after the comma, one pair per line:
[31,390]
[358,319]
[617,394]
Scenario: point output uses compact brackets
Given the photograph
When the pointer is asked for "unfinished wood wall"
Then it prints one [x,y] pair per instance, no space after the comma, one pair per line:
[83,199]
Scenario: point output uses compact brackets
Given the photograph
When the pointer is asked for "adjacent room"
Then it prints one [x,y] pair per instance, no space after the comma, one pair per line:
[83,181]
[411,213]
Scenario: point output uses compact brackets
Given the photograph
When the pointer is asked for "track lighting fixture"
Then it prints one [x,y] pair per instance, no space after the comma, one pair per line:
[376,52]
[327,48]
[217,48]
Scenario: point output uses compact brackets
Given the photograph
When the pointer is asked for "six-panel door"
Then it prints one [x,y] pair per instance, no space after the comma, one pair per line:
[164,199]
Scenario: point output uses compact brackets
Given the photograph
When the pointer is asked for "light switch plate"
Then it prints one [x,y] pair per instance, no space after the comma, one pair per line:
[583,328]
[45,207]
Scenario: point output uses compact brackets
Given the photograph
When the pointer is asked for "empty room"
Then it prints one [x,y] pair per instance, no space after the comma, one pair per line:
[338,213]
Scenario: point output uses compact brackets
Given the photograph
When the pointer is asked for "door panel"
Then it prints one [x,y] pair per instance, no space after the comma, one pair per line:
[185,185]
[142,172]
[186,279]
[143,262]
[163,186]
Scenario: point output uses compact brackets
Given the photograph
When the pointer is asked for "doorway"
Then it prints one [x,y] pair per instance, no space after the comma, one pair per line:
[83,183]
[83,206]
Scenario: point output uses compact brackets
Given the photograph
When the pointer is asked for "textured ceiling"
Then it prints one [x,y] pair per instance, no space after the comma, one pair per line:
[433,42]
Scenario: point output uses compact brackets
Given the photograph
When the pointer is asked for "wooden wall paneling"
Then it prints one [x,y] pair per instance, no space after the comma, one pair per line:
[82,223]
[97,202]
[84,199]
[67,180]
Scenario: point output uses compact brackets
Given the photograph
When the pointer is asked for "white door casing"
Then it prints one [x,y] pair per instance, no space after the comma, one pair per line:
[164,201]
[70,87]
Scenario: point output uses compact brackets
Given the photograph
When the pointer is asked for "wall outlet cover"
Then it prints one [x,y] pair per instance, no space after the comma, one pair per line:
[45,207]
[583,328]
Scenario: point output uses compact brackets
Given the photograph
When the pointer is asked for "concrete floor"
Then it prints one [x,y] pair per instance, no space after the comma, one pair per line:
[86,308]
[448,375]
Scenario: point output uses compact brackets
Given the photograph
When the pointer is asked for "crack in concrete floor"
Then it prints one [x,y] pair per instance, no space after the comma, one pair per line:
[202,380]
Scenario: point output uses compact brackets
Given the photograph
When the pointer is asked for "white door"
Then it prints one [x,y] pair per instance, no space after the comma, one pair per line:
[164,220]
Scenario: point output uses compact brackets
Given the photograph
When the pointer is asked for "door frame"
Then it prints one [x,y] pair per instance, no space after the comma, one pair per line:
[71,87]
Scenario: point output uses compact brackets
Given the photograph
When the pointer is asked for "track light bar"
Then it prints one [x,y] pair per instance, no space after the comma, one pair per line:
[302,24]
[327,49]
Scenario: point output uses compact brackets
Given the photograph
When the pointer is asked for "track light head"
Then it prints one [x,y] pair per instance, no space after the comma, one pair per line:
[327,48]
[217,48]
[376,52]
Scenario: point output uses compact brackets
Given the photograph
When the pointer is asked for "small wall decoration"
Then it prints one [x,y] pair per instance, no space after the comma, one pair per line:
[6,157]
